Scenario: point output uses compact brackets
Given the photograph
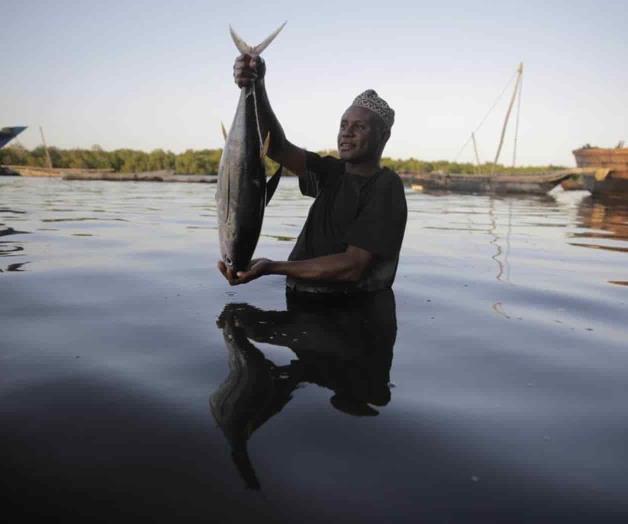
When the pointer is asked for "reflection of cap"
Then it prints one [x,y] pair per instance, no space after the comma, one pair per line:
[370,100]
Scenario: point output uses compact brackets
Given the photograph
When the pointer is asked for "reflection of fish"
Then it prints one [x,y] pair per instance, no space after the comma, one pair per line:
[242,192]
[250,395]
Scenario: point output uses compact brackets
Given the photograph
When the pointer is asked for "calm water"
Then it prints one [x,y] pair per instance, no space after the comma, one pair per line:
[490,387]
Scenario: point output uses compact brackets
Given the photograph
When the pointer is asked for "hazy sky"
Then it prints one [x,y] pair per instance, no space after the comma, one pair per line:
[158,74]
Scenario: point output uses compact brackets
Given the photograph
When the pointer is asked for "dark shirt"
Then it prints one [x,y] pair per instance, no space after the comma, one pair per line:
[368,212]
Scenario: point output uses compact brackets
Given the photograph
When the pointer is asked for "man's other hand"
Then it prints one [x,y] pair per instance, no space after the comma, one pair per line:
[257,268]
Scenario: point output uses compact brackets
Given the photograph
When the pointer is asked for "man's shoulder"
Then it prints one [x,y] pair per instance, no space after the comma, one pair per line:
[323,164]
[389,178]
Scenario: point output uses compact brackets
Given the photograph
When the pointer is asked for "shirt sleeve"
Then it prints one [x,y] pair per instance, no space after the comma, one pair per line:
[381,221]
[318,172]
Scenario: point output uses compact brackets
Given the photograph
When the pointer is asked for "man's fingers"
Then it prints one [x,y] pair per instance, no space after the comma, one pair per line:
[227,273]
[244,68]
[243,276]
[245,71]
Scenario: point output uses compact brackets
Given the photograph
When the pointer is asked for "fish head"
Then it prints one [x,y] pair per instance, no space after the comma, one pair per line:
[234,258]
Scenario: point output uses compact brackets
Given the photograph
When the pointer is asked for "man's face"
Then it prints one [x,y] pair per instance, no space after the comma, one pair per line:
[361,137]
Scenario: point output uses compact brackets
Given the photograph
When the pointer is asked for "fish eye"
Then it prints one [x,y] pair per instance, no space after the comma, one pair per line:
[228,260]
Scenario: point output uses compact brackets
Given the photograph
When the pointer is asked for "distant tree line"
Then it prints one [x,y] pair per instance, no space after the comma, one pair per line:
[205,161]
[120,160]
[412,165]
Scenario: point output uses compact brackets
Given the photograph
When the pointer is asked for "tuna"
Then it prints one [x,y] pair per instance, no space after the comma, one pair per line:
[242,192]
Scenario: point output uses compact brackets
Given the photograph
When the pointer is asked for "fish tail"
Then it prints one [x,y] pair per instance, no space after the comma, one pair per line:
[247,49]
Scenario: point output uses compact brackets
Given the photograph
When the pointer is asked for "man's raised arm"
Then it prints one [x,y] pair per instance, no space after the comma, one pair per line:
[246,70]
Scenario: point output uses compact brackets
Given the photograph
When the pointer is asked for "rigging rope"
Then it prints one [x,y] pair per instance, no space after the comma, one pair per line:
[485,116]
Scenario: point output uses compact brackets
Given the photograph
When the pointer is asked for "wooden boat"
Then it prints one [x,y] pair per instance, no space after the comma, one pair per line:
[536,184]
[56,172]
[67,173]
[493,182]
[610,165]
[145,176]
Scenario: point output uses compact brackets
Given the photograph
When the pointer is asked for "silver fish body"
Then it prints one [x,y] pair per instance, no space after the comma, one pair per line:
[242,192]
[241,189]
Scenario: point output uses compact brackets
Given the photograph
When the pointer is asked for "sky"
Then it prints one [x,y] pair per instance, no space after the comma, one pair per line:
[158,74]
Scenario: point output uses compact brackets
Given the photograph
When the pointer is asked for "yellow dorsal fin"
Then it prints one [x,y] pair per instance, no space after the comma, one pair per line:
[265,146]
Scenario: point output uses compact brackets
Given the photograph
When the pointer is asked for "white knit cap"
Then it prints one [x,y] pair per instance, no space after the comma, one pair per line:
[370,100]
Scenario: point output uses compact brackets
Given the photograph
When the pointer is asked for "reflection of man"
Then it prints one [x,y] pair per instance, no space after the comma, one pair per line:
[353,233]
[345,345]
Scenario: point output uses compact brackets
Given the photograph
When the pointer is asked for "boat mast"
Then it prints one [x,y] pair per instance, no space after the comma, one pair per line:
[43,139]
[475,148]
[514,148]
[512,102]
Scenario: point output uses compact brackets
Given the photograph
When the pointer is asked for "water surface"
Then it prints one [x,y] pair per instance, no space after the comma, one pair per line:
[490,386]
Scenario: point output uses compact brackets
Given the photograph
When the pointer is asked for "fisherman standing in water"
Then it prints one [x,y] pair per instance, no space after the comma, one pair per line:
[353,233]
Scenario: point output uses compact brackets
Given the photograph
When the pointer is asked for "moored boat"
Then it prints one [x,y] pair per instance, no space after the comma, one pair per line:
[67,173]
[493,182]
[500,183]
[611,168]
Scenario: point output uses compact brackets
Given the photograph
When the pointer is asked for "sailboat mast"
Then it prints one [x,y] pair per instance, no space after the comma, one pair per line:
[514,149]
[512,102]
[43,139]
[475,149]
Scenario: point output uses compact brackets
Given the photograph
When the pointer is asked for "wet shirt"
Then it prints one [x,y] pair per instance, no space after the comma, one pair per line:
[365,212]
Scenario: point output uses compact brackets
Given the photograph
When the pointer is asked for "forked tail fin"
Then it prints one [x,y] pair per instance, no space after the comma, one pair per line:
[250,50]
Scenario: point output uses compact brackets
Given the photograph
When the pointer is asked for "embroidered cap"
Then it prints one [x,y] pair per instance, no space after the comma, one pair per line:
[370,100]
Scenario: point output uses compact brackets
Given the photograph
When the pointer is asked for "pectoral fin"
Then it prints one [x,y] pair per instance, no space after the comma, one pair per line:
[265,147]
[224,131]
[272,183]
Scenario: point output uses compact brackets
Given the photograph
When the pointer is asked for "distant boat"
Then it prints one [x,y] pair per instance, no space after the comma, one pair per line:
[9,133]
[535,184]
[67,173]
[608,166]
[493,182]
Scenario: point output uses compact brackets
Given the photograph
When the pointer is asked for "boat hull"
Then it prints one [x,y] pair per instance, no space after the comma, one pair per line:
[611,166]
[509,184]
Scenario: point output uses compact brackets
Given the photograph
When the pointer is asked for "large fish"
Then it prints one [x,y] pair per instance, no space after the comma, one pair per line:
[242,192]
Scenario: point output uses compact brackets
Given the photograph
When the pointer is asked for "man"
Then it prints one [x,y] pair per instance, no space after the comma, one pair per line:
[352,236]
